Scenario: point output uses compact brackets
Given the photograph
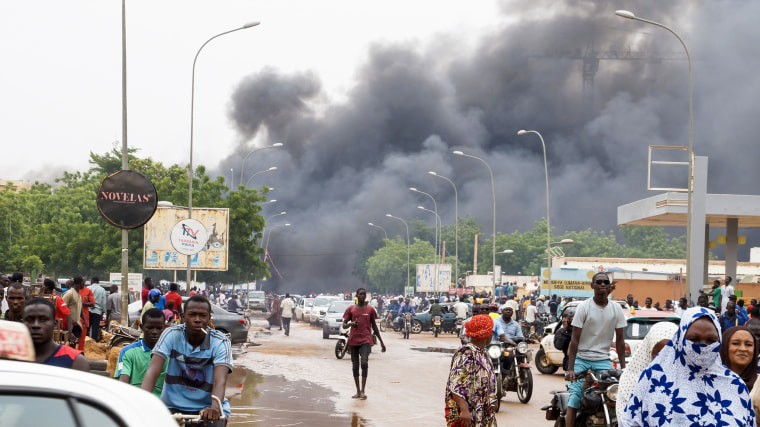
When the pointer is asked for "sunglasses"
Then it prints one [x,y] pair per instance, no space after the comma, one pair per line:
[602,282]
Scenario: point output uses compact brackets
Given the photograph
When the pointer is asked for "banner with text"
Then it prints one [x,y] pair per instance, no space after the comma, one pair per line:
[570,282]
[426,277]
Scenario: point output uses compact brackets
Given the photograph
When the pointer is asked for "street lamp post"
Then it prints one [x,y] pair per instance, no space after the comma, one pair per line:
[242,167]
[493,195]
[548,223]
[407,246]
[435,266]
[267,222]
[272,169]
[456,223]
[437,218]
[192,119]
[690,185]
[373,225]
[266,247]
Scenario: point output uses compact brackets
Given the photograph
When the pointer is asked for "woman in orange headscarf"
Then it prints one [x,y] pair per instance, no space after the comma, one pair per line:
[471,380]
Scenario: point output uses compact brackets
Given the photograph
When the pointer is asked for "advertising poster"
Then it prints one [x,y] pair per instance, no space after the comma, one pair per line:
[160,254]
[567,282]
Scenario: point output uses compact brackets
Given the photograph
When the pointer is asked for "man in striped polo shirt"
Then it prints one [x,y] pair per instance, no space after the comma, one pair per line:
[199,361]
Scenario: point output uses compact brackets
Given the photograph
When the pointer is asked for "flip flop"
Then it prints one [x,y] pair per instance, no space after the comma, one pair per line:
[356,396]
[364,397]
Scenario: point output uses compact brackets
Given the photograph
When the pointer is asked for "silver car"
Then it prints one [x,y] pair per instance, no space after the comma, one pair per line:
[321,303]
[334,318]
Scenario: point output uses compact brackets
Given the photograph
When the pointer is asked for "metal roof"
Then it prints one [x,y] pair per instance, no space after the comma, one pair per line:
[669,209]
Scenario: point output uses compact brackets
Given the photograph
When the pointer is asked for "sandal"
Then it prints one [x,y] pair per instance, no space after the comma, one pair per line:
[356,396]
[363,397]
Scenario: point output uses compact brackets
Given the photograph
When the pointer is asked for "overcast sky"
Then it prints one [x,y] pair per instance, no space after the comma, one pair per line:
[61,82]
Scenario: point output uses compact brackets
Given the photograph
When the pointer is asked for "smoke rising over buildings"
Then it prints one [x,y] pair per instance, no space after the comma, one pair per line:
[350,161]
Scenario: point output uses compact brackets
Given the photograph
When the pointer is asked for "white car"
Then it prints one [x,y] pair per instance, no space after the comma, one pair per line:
[303,309]
[321,303]
[334,318]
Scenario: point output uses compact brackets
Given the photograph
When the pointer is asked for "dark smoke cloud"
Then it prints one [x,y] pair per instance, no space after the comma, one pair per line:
[349,163]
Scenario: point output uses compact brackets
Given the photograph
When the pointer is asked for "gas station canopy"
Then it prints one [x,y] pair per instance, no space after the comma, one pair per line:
[669,209]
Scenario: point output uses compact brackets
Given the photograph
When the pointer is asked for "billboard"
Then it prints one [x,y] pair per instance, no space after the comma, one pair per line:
[426,277]
[159,253]
[567,282]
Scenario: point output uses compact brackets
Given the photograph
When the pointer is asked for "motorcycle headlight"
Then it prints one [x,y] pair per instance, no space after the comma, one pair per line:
[494,351]
[612,392]
[522,347]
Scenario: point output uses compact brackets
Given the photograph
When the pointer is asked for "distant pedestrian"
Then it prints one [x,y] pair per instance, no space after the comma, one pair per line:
[275,317]
[287,312]
[113,306]
[99,307]
[147,286]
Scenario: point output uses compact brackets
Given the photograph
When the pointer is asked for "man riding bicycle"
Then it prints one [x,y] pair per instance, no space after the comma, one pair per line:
[200,359]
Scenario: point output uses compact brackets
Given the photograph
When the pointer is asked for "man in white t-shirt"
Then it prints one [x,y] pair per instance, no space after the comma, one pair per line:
[287,306]
[596,320]
[725,292]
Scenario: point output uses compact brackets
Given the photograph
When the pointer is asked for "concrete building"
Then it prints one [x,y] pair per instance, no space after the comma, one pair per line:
[16,185]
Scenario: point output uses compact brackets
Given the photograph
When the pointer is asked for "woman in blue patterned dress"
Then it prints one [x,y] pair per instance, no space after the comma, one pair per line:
[687,384]
[471,379]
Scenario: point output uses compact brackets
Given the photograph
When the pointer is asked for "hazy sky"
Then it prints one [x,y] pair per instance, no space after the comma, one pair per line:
[61,83]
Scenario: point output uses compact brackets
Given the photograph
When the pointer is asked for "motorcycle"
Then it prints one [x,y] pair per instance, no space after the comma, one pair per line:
[598,403]
[458,324]
[437,321]
[529,332]
[517,377]
[341,347]
[122,335]
[406,329]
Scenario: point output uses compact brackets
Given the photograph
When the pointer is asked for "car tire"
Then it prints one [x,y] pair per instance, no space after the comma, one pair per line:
[542,363]
[325,334]
[416,326]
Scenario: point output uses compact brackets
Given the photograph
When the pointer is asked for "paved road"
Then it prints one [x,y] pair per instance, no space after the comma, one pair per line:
[405,385]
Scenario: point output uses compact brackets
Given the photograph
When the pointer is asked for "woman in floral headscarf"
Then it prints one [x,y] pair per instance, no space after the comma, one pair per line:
[687,385]
[471,379]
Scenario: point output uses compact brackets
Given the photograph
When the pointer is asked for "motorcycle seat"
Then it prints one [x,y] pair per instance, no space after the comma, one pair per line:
[562,397]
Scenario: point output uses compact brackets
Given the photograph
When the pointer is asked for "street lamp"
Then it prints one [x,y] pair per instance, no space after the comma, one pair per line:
[192,118]
[266,221]
[266,247]
[272,169]
[493,195]
[435,265]
[548,224]
[373,225]
[507,251]
[555,251]
[690,185]
[456,223]
[242,167]
[407,247]
[437,218]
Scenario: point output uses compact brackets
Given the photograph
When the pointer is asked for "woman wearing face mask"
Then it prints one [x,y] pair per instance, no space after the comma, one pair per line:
[687,384]
[653,343]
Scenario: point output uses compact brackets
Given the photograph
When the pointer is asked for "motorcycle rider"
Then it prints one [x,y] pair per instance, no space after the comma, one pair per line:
[406,307]
[510,331]
[460,308]
[595,321]
[436,310]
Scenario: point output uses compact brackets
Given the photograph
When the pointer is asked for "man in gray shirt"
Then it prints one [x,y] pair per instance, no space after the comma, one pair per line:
[595,322]
[96,312]
[113,306]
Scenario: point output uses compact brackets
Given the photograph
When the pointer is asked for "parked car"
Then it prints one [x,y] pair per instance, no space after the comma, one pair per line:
[549,359]
[423,321]
[334,318]
[257,300]
[321,303]
[303,309]
[223,320]
[32,394]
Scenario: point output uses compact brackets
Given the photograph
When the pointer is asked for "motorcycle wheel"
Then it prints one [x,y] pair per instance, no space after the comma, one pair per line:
[542,363]
[560,422]
[435,332]
[525,391]
[340,349]
[382,326]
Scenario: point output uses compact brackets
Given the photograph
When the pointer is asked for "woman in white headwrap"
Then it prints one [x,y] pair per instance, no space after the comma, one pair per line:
[653,342]
[687,384]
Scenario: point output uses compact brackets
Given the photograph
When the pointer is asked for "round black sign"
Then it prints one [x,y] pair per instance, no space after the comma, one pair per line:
[127,199]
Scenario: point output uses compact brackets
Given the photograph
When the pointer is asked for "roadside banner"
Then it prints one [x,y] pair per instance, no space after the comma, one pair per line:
[426,281]
[567,282]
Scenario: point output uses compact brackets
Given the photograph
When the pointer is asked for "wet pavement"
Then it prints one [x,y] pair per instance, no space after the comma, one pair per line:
[271,400]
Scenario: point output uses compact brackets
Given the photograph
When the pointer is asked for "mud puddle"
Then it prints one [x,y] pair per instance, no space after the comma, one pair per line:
[270,400]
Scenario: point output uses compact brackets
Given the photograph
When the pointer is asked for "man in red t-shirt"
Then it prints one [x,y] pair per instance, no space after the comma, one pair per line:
[147,286]
[361,318]
[174,297]
[62,311]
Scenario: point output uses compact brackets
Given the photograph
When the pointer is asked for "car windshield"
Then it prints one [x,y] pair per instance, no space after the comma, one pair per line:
[256,294]
[339,307]
[323,301]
